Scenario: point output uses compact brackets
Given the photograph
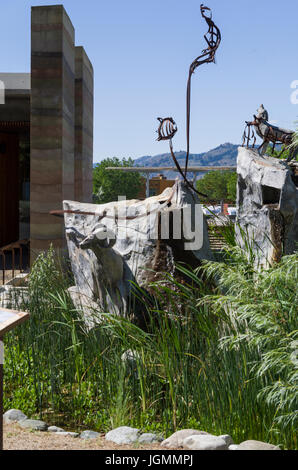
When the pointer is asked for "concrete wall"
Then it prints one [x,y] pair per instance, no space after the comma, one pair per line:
[83,126]
[52,123]
[16,105]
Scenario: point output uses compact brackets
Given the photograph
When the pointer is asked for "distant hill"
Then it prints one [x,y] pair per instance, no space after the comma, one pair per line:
[224,155]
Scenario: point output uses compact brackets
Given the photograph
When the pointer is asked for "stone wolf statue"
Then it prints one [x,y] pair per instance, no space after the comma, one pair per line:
[272,134]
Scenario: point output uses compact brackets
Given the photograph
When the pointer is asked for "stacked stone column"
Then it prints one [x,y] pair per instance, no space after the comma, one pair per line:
[61,124]
[83,126]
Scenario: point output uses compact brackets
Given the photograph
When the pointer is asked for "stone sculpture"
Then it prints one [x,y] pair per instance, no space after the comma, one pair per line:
[129,249]
[267,205]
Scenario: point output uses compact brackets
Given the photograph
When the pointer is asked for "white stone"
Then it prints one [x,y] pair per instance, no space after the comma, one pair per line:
[256,445]
[89,435]
[67,433]
[13,416]
[176,440]
[33,424]
[208,442]
[123,435]
[55,429]
[233,447]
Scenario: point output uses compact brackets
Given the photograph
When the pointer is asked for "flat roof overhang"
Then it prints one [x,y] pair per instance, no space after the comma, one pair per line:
[158,169]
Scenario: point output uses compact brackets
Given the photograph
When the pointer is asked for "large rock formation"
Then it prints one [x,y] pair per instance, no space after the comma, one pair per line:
[128,242]
[267,205]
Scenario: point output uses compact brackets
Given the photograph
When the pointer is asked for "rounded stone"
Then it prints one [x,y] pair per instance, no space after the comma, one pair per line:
[55,429]
[208,442]
[176,439]
[33,424]
[149,438]
[13,416]
[89,435]
[67,433]
[123,435]
[256,445]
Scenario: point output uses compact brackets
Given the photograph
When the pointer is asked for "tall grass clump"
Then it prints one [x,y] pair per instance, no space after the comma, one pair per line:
[263,306]
[37,351]
[217,354]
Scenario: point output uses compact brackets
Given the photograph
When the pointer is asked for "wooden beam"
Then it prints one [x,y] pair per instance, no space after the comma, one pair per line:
[157,169]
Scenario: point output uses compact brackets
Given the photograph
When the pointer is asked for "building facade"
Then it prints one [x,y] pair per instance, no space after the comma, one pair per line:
[157,184]
[46,134]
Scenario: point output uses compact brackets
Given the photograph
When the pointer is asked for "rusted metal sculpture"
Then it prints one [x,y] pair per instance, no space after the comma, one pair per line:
[248,135]
[168,128]
[269,134]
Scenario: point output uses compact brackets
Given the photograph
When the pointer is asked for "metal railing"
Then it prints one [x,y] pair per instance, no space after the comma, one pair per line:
[13,248]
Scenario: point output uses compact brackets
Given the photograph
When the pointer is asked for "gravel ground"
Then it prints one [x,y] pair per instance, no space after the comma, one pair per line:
[16,438]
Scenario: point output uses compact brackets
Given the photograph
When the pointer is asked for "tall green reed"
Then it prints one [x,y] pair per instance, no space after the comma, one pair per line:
[211,355]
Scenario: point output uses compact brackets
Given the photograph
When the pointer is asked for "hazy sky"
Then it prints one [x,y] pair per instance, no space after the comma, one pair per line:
[141,52]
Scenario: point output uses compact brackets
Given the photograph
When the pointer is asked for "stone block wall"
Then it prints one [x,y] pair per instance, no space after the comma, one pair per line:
[83,126]
[61,128]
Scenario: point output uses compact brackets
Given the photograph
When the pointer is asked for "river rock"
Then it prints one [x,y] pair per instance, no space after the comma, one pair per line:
[256,445]
[13,416]
[108,254]
[267,205]
[177,439]
[208,442]
[89,435]
[33,424]
[123,435]
[55,429]
[149,438]
[68,433]
[227,438]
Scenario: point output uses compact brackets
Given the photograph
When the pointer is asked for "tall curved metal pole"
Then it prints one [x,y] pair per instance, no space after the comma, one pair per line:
[167,128]
[213,39]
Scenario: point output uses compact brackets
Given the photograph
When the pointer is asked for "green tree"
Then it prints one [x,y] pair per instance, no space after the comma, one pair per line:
[276,153]
[109,184]
[286,153]
[232,186]
[219,185]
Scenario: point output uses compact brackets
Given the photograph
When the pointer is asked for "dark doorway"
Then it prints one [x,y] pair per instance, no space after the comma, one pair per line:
[9,188]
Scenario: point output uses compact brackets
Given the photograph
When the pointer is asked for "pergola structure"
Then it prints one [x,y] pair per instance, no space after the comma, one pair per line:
[154,169]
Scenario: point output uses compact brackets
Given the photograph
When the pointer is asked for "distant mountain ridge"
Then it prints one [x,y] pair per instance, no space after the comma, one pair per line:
[223,155]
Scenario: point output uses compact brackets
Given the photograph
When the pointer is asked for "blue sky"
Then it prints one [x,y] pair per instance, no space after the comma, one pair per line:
[141,52]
